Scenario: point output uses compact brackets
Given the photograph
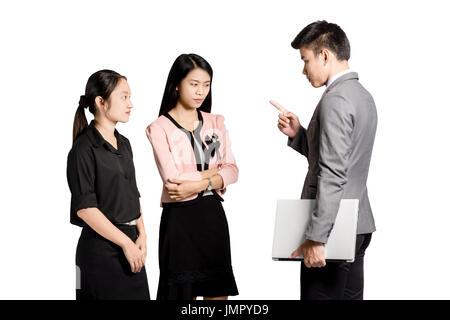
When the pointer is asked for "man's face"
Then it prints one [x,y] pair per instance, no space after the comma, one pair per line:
[315,67]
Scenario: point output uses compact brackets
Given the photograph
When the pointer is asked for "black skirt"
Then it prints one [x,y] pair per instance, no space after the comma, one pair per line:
[103,272]
[194,251]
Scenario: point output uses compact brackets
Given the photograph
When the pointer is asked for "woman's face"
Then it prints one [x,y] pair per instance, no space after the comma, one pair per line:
[118,107]
[194,88]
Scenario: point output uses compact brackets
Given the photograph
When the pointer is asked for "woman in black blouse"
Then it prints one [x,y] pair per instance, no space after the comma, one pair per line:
[111,251]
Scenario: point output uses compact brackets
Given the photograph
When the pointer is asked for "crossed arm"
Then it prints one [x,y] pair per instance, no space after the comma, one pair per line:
[181,185]
[180,189]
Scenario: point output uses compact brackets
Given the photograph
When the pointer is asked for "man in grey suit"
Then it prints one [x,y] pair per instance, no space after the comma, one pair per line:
[338,145]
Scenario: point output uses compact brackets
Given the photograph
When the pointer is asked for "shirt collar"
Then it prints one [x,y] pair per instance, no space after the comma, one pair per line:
[336,76]
[97,139]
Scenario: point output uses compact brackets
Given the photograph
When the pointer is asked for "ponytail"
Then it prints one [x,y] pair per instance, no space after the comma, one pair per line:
[80,121]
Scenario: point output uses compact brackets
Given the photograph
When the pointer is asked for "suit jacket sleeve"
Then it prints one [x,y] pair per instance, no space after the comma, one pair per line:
[299,142]
[336,116]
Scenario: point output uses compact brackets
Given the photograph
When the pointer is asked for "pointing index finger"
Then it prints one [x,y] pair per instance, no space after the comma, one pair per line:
[278,106]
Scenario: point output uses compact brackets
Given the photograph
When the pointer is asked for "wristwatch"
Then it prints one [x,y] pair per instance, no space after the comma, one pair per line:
[209,184]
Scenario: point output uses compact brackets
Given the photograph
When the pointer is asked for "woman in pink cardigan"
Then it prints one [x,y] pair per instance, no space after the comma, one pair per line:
[193,155]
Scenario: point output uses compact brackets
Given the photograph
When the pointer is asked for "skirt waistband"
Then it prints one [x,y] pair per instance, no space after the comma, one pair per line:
[199,198]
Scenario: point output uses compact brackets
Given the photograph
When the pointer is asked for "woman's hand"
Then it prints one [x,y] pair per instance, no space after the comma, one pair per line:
[134,255]
[180,189]
[141,243]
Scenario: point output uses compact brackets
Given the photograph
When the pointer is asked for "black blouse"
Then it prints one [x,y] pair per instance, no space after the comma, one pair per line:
[101,176]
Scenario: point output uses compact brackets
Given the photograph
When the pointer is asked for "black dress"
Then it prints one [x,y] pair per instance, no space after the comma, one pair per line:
[194,242]
[102,177]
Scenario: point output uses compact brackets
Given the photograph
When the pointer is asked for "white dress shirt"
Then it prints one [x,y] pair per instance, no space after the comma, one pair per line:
[336,76]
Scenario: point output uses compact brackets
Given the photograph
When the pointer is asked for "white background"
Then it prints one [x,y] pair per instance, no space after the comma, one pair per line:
[399,48]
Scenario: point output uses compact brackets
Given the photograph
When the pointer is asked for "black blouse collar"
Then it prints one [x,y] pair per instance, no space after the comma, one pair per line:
[98,140]
[200,119]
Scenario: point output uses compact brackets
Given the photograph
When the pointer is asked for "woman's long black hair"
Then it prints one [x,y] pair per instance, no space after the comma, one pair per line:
[101,83]
[180,68]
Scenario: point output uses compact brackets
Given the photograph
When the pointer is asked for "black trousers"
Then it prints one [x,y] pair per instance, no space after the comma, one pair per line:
[337,280]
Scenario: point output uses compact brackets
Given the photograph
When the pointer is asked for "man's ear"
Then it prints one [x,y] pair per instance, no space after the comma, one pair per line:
[326,55]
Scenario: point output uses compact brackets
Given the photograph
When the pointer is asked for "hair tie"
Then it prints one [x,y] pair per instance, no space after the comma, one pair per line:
[83,101]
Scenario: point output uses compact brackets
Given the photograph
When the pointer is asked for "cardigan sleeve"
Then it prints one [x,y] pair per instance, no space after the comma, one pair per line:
[229,170]
[163,157]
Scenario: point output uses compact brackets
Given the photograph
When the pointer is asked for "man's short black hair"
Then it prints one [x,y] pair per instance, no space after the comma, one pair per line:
[321,34]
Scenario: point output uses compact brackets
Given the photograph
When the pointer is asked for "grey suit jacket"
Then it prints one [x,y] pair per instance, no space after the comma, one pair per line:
[338,145]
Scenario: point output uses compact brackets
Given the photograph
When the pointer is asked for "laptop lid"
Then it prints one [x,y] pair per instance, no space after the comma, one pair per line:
[292,219]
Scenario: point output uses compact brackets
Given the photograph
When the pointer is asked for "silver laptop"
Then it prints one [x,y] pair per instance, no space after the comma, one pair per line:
[292,218]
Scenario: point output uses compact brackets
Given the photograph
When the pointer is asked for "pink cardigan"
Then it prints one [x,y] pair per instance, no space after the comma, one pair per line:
[175,157]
